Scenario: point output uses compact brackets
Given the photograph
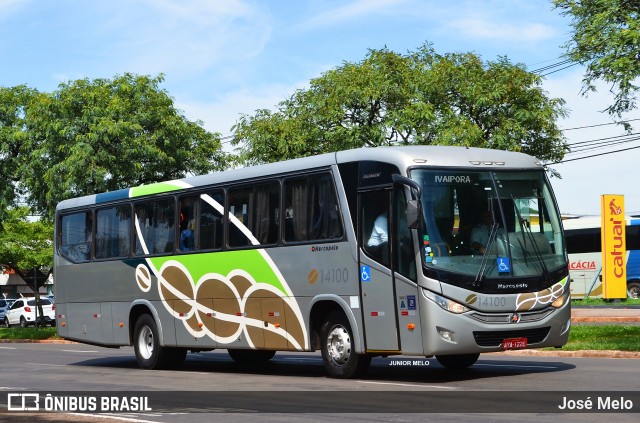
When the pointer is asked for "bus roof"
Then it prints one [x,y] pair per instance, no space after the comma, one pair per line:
[592,221]
[401,156]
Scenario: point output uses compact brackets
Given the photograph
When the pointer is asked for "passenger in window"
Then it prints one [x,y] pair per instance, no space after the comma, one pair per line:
[480,232]
[187,239]
[379,233]
[378,243]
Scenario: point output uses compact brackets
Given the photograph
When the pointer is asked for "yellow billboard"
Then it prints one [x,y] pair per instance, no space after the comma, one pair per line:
[614,249]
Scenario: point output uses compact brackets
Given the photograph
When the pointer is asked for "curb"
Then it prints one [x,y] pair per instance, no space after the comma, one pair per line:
[612,320]
[578,354]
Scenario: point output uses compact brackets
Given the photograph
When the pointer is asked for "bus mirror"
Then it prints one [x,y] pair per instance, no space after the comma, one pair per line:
[413,214]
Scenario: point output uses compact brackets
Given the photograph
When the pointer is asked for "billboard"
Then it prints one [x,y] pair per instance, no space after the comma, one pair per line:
[614,251]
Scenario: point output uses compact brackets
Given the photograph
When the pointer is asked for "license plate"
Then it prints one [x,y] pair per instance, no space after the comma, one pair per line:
[514,343]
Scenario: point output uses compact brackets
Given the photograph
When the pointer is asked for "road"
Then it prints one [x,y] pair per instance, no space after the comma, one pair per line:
[211,387]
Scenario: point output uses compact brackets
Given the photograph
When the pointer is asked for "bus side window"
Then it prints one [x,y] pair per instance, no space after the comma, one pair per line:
[113,234]
[211,221]
[311,209]
[375,225]
[403,243]
[75,239]
[257,209]
[187,224]
[156,222]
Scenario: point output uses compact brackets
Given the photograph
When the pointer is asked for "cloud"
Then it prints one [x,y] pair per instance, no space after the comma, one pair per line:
[220,114]
[183,37]
[8,7]
[488,28]
[348,12]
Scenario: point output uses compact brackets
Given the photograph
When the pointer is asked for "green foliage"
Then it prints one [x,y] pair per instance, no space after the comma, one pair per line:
[607,303]
[99,135]
[13,140]
[24,243]
[28,333]
[418,98]
[606,337]
[606,38]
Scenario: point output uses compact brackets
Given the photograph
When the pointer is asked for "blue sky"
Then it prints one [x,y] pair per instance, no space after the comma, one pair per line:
[228,57]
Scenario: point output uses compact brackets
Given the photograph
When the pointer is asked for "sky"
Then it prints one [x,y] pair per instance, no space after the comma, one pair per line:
[225,58]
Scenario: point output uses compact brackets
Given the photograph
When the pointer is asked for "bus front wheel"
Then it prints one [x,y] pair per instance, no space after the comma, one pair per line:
[149,353]
[338,349]
[633,290]
[457,361]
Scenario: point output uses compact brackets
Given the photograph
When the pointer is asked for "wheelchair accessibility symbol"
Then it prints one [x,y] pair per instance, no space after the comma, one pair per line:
[504,264]
[365,273]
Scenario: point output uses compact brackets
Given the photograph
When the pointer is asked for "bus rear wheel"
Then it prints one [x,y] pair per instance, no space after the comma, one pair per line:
[338,349]
[149,353]
[633,290]
[457,361]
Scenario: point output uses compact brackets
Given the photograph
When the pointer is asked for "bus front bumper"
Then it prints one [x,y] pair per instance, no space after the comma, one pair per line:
[479,332]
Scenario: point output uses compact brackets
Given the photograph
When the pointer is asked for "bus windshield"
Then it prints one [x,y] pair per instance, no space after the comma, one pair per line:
[489,225]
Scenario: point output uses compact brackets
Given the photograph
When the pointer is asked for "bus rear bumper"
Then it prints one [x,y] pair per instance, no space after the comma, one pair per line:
[471,332]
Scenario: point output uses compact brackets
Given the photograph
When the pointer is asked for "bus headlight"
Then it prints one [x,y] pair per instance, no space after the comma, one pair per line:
[445,303]
[562,299]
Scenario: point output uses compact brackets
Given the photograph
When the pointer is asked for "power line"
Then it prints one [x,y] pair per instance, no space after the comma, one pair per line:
[594,155]
[602,145]
[599,124]
[597,140]
[551,66]
[558,70]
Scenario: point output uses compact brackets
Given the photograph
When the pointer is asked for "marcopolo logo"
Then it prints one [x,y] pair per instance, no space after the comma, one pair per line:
[323,248]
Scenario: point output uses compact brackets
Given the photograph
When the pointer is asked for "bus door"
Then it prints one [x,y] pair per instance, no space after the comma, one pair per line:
[377,292]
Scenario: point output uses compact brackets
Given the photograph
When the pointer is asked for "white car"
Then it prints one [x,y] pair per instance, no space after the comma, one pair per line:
[23,312]
[3,308]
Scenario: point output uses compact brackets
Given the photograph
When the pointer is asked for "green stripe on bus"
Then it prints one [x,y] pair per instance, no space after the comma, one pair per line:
[153,189]
[250,261]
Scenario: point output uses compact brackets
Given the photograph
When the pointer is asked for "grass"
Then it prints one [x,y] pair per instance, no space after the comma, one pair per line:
[28,333]
[603,337]
[601,302]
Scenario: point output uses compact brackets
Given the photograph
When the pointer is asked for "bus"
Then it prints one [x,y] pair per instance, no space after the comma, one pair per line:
[585,255]
[355,254]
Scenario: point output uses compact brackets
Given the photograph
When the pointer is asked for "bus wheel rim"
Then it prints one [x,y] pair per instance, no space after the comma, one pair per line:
[339,345]
[145,342]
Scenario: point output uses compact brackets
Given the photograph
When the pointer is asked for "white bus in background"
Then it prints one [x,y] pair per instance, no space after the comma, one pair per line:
[585,256]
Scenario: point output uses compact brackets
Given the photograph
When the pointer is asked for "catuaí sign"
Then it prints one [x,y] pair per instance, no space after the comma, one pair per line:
[614,250]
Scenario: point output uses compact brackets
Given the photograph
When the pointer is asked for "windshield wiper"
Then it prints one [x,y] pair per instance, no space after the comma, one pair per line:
[493,232]
[526,231]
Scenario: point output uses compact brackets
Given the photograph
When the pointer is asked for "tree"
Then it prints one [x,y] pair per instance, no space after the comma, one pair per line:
[25,244]
[13,141]
[99,135]
[418,98]
[606,38]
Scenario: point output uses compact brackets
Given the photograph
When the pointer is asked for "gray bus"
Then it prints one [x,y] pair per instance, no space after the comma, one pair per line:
[359,253]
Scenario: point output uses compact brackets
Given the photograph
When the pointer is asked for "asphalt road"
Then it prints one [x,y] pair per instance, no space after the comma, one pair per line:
[294,387]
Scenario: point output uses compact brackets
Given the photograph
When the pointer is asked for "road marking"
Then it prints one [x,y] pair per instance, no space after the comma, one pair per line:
[414,385]
[516,366]
[108,416]
[80,351]
[7,348]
